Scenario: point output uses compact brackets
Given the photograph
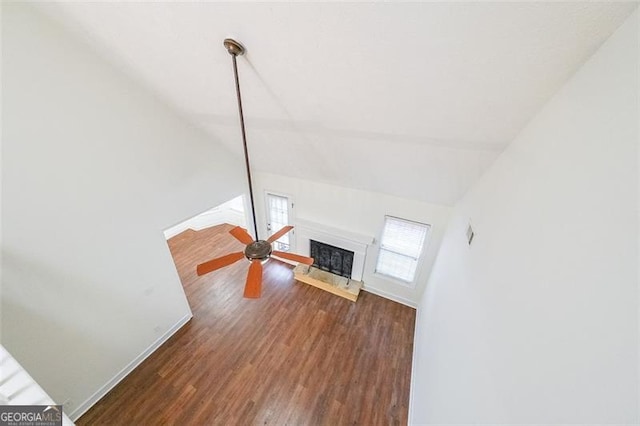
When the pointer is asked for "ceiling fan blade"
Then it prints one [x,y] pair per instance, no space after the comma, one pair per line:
[218,262]
[241,235]
[280,233]
[295,257]
[253,287]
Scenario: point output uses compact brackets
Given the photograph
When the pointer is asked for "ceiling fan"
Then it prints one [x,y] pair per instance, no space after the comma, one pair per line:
[256,251]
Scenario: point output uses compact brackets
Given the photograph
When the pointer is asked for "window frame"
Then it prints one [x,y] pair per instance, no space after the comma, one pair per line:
[419,259]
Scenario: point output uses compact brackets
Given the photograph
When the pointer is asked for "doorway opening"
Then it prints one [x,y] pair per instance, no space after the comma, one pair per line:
[203,237]
[231,212]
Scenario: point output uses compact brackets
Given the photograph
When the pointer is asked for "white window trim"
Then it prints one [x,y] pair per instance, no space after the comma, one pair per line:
[420,261]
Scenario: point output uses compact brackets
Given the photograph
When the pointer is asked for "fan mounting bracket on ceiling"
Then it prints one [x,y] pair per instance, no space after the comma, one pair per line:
[234,47]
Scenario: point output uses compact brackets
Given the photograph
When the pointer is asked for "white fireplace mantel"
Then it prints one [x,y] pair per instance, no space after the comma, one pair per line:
[357,243]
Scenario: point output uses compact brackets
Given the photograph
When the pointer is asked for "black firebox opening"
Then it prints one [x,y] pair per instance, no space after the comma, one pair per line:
[333,259]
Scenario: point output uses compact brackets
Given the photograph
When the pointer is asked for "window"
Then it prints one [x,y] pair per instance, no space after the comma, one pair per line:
[400,248]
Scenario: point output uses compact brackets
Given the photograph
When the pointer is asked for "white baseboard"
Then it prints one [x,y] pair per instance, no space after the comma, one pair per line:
[84,407]
[390,296]
[207,220]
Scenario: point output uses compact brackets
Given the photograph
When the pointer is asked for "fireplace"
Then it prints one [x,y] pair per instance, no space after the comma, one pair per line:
[350,241]
[330,258]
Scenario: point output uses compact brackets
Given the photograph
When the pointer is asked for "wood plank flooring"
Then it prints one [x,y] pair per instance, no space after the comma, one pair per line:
[296,356]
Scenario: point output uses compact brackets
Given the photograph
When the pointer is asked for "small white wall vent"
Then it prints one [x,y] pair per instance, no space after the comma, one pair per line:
[470,234]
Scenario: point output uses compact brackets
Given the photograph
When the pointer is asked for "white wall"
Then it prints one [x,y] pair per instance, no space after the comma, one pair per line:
[536,322]
[360,212]
[94,169]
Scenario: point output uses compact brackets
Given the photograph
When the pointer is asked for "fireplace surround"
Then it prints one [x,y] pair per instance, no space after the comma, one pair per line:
[340,238]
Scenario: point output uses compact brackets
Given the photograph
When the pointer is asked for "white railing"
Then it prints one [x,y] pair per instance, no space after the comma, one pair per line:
[17,387]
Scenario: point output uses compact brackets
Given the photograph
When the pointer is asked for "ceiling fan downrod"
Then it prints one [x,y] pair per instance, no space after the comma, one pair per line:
[256,251]
[235,48]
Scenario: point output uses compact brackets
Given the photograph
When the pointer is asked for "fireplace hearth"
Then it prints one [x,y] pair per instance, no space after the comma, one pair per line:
[333,259]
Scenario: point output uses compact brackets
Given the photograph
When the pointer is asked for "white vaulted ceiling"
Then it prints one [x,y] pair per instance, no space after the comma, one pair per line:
[411,99]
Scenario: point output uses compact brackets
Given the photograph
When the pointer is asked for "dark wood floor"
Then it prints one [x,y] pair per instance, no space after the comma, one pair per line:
[296,356]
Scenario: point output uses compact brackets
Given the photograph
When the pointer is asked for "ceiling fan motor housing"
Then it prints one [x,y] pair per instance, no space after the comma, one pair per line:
[258,250]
